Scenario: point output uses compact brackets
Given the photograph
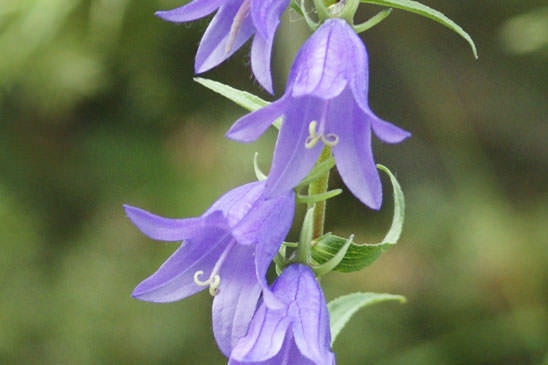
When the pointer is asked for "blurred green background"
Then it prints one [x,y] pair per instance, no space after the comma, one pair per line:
[98,108]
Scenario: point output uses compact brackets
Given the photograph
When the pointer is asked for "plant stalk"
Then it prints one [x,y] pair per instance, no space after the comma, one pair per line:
[317,187]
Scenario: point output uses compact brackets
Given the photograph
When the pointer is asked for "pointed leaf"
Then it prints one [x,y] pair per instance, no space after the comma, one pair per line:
[242,98]
[341,309]
[362,255]
[421,9]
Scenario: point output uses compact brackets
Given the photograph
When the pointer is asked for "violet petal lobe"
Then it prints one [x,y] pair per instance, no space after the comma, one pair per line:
[266,15]
[217,37]
[289,354]
[236,300]
[174,280]
[353,154]
[236,203]
[311,320]
[251,126]
[386,131]
[261,52]
[272,231]
[191,11]
[264,338]
[163,229]
[292,160]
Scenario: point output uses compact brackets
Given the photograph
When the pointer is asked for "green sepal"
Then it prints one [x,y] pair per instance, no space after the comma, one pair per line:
[423,10]
[371,22]
[341,309]
[243,98]
[280,260]
[311,23]
[314,198]
[362,255]
[258,173]
[317,171]
[305,239]
[321,9]
[295,6]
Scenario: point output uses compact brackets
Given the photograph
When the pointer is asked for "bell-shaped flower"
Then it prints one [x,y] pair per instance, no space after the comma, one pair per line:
[233,24]
[227,249]
[325,101]
[296,334]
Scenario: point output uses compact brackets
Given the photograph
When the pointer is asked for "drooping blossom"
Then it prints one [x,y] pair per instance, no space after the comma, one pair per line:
[233,24]
[325,100]
[297,334]
[227,249]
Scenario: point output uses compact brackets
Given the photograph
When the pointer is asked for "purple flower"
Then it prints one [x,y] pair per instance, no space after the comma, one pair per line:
[235,22]
[325,100]
[296,334]
[228,248]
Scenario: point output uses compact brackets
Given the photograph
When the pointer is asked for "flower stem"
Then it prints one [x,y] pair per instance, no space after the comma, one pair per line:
[319,186]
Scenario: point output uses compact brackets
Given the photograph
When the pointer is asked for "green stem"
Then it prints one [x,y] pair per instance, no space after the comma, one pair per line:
[319,186]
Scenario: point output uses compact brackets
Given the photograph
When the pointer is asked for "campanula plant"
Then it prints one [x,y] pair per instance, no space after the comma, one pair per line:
[326,121]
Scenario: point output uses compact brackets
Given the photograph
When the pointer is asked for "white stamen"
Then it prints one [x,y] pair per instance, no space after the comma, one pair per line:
[214,279]
[329,139]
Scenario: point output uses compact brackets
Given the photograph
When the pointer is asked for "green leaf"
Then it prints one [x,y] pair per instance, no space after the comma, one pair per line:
[343,308]
[421,9]
[362,255]
[242,98]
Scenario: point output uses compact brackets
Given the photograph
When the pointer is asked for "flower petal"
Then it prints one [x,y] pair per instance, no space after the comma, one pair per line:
[163,229]
[261,52]
[212,50]
[272,231]
[251,126]
[191,11]
[353,153]
[236,203]
[264,338]
[234,305]
[266,15]
[292,160]
[174,280]
[310,318]
[386,131]
[289,354]
[322,65]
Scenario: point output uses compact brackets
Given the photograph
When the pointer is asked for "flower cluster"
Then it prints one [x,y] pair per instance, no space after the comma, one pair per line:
[230,247]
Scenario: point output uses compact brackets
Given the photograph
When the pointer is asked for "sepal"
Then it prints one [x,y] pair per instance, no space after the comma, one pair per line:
[317,171]
[371,22]
[258,173]
[305,239]
[314,198]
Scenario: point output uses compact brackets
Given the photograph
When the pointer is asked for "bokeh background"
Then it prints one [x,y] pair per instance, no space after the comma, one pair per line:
[98,108]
